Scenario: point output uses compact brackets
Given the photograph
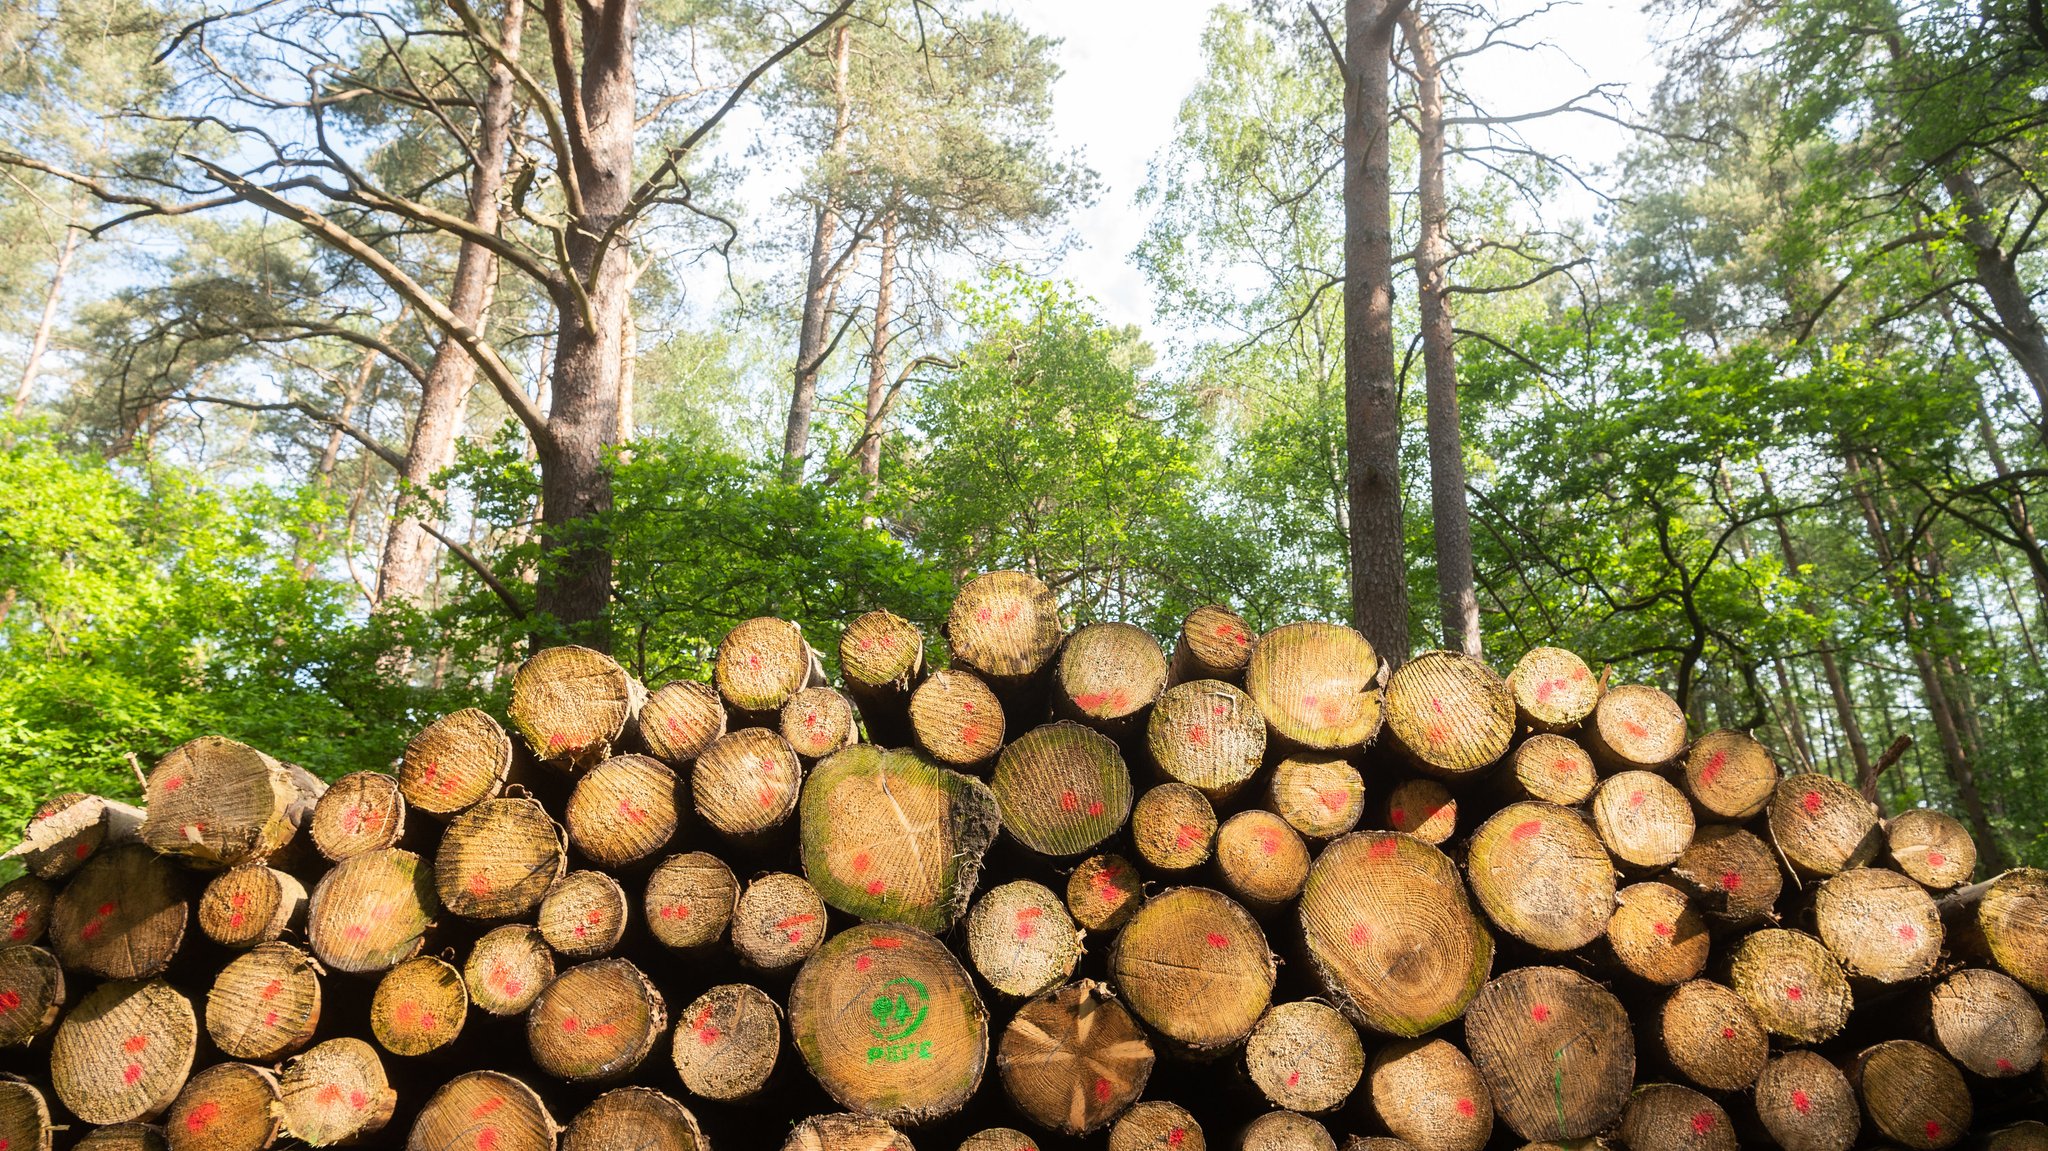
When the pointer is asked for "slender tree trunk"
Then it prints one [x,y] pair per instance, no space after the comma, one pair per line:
[1372,402]
[2019,326]
[407,564]
[812,333]
[1831,668]
[878,358]
[47,323]
[1458,600]
[2017,515]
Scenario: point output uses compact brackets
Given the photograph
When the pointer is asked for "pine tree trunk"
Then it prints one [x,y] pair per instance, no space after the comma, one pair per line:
[878,357]
[46,324]
[1998,274]
[819,282]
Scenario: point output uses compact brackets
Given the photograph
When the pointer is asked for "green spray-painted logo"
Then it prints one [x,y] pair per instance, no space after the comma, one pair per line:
[898,1010]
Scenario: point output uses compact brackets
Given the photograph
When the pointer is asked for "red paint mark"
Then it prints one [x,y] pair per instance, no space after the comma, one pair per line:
[1437,734]
[1218,940]
[1907,933]
[1095,808]
[1101,1090]
[636,814]
[1174,1138]
[271,989]
[1467,1108]
[570,1024]
[983,616]
[1186,837]
[486,1107]
[556,740]
[1010,613]
[1540,1013]
[428,1021]
[754,661]
[595,916]
[20,929]
[1936,859]
[1069,801]
[131,1073]
[1702,1122]
[1795,993]
[863,963]
[862,861]
[358,1100]
[1712,771]
[967,706]
[1801,1102]
[1360,935]
[1294,1078]
[9,1000]
[793,926]
[1811,802]
[811,720]
[1565,766]
[2005,1065]
[134,1044]
[1635,799]
[487,1139]
[708,1035]
[1528,830]
[1933,1129]
[1400,819]
[1025,928]
[201,1115]
[1106,886]
[174,783]
[1269,841]
[1727,1033]
[355,932]
[886,942]
[601,1030]
[1089,701]
[480,885]
[1382,849]
[1217,710]
[1635,729]
[1198,735]
[1334,798]
[1663,929]
[876,887]
[1731,880]
[970,734]
[270,1019]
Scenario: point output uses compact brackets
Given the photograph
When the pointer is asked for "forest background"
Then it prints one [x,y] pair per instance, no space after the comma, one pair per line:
[355,347]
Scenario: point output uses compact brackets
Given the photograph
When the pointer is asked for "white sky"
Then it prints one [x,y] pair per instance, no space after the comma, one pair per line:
[1129,62]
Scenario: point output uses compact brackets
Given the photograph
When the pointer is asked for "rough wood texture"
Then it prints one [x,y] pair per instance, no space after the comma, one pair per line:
[595,1022]
[888,835]
[1195,967]
[122,916]
[371,911]
[1207,734]
[251,904]
[1449,713]
[508,968]
[1107,676]
[1644,822]
[1708,1034]
[1214,643]
[336,1094]
[359,812]
[2004,920]
[1881,925]
[1421,807]
[498,859]
[1806,1103]
[572,705]
[1320,796]
[1731,875]
[881,657]
[1555,1050]
[1550,768]
[1541,875]
[818,721]
[845,1133]
[1729,775]
[680,719]
[956,719]
[1430,1096]
[1986,1022]
[455,762]
[1073,1059]
[1656,935]
[1173,827]
[1062,788]
[726,1043]
[623,811]
[778,922]
[216,803]
[689,900]
[264,1005]
[419,1006]
[1285,1131]
[1553,689]
[2026,1135]
[637,1117]
[31,993]
[226,1107]
[1261,860]
[583,915]
[483,1111]
[24,1115]
[25,906]
[1021,940]
[1667,1117]
[66,829]
[1911,1094]
[116,1137]
[124,1051]
[1316,684]
[1156,1125]
[1822,826]
[746,784]
[1635,728]
[1304,1056]
[1004,626]
[1792,983]
[1104,892]
[1933,849]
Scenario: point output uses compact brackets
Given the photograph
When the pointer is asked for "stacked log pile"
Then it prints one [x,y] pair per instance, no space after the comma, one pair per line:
[1065,892]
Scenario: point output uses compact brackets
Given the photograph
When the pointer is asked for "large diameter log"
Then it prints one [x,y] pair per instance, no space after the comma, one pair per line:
[1550,768]
[122,916]
[1173,827]
[745,785]
[2004,920]
[1554,690]
[1708,1034]
[1157,1125]
[761,663]
[818,721]
[1316,685]
[1667,1117]
[1207,734]
[1320,796]
[372,911]
[1430,1096]
[1556,1052]
[726,1043]
[623,811]
[889,1023]
[1822,825]
[1004,626]
[595,1022]
[359,812]
[1214,643]
[31,993]
[1644,822]
[1195,967]
[1911,1094]
[583,915]
[572,705]
[1934,849]
[226,1107]
[1656,935]
[24,1115]
[1449,713]
[498,859]
[1304,1056]
[1729,775]
[1542,876]
[124,1051]
[637,1117]
[1730,874]
[455,762]
[1104,892]
[25,906]
[689,900]
[508,968]
[888,835]
[1062,788]
[66,829]
[845,1133]
[778,922]
[1107,675]
[1072,1060]
[336,1094]
[265,1004]
[956,719]
[1806,1103]
[1792,983]
[1285,1131]
[1635,728]
[216,803]
[1881,925]
[1984,1021]
[881,658]
[681,719]
[1261,860]
[1020,939]
[483,1111]
[419,1006]
[251,904]
[1391,934]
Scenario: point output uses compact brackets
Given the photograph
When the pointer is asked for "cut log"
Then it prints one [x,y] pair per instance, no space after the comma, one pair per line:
[124,1051]
[1822,826]
[1708,1034]
[1635,728]
[680,719]
[122,916]
[1933,849]
[1421,807]
[745,785]
[2026,1135]
[251,904]
[888,835]
[1550,768]
[226,1107]
[336,1094]
[454,763]
[881,658]
[117,1137]
[818,721]
[1004,626]
[1320,796]
[1911,1094]
[1156,1125]
[1062,788]
[1316,684]
[572,705]
[1791,983]
[637,1117]
[1107,676]
[726,1043]
[359,812]
[31,993]
[1541,875]
[1449,714]
[508,968]
[583,915]
[1430,1096]
[215,803]
[2004,920]
[1261,860]
[778,922]
[1983,1020]
[595,1022]
[1730,874]
[1667,1117]
[483,1111]
[265,1004]
[1207,734]
[689,900]
[1304,1056]
[1195,967]
[623,811]
[1554,690]
[1021,941]
[25,906]
[419,1006]
[1656,935]
[999,1139]
[65,831]
[1555,1050]
[1881,926]
[1214,643]
[1072,1060]
[845,1133]
[371,911]
[1285,1131]
[1104,892]
[498,859]
[956,719]
[1806,1103]
[24,1115]
[889,1023]
[1644,822]
[1391,934]
[1729,775]
[1173,827]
